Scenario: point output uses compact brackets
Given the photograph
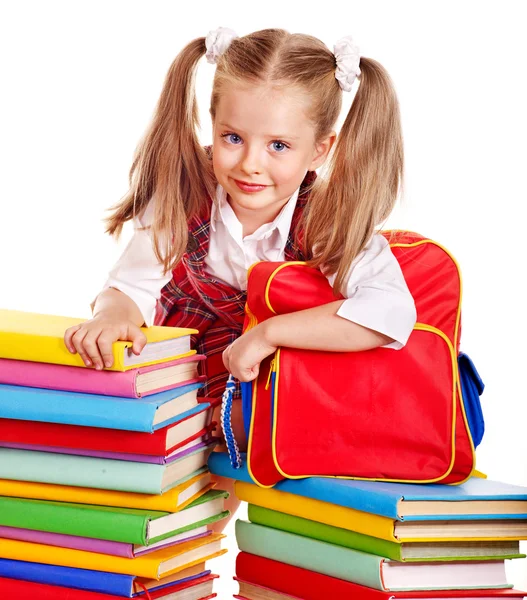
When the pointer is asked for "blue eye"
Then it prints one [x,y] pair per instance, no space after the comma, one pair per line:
[232,135]
[281,144]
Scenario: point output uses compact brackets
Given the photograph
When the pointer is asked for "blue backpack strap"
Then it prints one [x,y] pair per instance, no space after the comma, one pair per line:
[246,388]
[472,387]
[226,424]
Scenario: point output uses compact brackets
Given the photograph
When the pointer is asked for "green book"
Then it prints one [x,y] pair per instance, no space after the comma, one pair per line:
[129,525]
[373,571]
[406,551]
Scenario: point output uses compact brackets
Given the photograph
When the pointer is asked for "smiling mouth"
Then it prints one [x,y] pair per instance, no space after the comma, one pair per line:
[249,187]
[250,184]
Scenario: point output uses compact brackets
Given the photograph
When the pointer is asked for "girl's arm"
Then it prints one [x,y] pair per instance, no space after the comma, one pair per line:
[318,328]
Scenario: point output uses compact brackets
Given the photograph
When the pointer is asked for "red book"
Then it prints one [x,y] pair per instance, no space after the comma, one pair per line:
[309,585]
[22,590]
[160,443]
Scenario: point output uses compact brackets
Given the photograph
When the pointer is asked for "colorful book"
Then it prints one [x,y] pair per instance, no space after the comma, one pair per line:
[102,473]
[193,444]
[413,551]
[160,442]
[126,586]
[97,545]
[377,526]
[134,383]
[153,565]
[366,569]
[129,525]
[198,589]
[112,412]
[40,338]
[477,498]
[182,494]
[309,585]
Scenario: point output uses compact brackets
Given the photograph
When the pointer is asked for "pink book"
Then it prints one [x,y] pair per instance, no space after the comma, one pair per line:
[93,545]
[134,383]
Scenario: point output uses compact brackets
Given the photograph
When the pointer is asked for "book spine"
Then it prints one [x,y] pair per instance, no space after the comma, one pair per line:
[68,577]
[48,349]
[67,378]
[80,471]
[13,588]
[328,559]
[82,438]
[67,541]
[90,410]
[82,520]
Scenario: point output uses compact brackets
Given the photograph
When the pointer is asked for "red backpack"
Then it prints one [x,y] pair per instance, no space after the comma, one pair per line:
[381,414]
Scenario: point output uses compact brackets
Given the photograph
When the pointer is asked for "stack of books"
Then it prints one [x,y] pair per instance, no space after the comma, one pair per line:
[320,538]
[104,486]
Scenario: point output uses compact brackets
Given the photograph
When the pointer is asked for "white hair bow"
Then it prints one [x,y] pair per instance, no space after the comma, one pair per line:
[217,41]
[348,59]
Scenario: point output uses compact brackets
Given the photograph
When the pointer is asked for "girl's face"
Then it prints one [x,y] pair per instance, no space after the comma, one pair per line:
[263,137]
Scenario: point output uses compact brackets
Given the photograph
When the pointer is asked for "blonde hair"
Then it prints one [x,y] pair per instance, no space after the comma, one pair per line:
[364,171]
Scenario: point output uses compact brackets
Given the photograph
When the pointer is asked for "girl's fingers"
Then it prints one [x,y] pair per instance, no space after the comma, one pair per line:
[138,339]
[105,343]
[226,361]
[68,335]
[90,347]
[77,342]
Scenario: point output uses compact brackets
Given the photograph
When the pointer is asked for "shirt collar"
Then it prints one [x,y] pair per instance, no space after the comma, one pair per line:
[222,212]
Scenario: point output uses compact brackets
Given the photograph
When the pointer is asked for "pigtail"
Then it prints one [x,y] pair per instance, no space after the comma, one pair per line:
[169,164]
[363,179]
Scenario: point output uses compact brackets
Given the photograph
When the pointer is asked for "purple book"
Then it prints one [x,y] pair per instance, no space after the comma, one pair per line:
[102,546]
[201,442]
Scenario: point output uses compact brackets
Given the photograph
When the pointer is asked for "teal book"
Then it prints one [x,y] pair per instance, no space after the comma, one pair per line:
[475,499]
[406,551]
[373,571]
[129,525]
[100,473]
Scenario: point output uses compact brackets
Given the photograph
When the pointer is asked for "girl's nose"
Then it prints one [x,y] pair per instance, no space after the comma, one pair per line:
[251,161]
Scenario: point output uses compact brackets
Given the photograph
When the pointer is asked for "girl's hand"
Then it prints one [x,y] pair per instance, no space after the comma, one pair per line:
[93,339]
[243,357]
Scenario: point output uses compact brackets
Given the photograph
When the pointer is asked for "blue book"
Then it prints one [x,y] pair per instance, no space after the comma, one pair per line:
[144,414]
[475,499]
[80,579]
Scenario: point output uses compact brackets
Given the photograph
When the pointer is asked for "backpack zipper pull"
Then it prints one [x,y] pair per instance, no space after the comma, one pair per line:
[271,369]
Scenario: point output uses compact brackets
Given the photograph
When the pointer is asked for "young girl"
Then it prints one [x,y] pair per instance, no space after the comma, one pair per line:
[202,216]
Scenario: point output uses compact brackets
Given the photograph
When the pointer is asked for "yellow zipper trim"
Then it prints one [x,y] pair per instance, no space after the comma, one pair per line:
[421,326]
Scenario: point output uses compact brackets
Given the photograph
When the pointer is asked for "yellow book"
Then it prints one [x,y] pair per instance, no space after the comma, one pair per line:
[172,500]
[154,565]
[40,338]
[316,510]
[385,528]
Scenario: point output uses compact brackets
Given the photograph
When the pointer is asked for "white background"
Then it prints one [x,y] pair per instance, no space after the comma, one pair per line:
[79,85]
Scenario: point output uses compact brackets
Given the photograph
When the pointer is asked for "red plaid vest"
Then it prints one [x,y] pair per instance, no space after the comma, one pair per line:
[195,299]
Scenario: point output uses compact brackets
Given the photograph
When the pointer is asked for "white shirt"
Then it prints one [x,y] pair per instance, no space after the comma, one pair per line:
[376,292]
